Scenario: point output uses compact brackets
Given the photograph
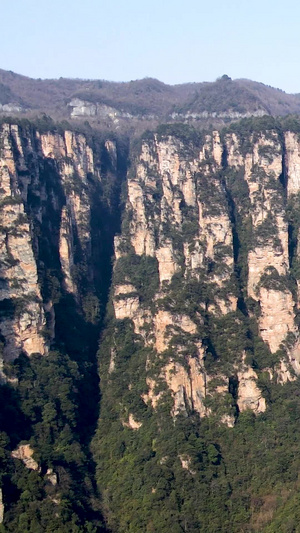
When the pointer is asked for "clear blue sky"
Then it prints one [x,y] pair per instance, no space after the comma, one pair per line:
[174,41]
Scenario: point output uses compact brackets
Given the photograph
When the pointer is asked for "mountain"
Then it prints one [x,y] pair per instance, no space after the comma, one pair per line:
[202,347]
[142,103]
[149,317]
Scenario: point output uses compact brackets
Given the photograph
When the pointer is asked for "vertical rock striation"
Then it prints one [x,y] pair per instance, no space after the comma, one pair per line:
[178,218]
[205,263]
[50,183]
[263,166]
[207,216]
[20,296]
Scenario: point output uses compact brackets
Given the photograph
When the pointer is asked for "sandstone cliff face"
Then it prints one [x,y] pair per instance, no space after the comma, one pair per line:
[75,162]
[47,181]
[198,209]
[178,214]
[1,507]
[24,452]
[249,395]
[203,262]
[292,162]
[22,326]
[268,250]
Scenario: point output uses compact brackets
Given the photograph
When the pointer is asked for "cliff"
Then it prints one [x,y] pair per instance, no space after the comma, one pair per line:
[50,184]
[59,197]
[201,332]
[207,217]
[202,336]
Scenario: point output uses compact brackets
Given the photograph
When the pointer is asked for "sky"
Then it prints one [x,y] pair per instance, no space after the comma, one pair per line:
[174,41]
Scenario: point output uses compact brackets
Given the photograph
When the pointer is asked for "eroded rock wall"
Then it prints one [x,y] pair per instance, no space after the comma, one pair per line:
[210,215]
[267,167]
[205,262]
[178,215]
[49,184]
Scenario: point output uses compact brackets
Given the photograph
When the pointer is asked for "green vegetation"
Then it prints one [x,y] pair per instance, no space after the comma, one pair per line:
[53,402]
[142,271]
[183,132]
[192,474]
[155,473]
[224,95]
[234,475]
[44,411]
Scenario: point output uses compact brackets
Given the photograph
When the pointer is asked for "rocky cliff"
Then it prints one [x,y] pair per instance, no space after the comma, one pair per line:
[51,183]
[201,332]
[205,266]
[59,193]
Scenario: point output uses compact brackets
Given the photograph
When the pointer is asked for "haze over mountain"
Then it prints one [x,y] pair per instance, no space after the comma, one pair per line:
[111,103]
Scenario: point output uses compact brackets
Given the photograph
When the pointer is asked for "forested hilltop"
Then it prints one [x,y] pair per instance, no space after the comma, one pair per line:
[149,302]
[134,106]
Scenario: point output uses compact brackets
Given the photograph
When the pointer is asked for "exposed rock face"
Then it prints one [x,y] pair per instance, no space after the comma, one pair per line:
[75,160]
[1,507]
[185,212]
[292,162]
[168,196]
[66,240]
[11,108]
[249,395]
[127,305]
[186,463]
[24,452]
[165,181]
[268,253]
[166,262]
[22,327]
[51,476]
[214,114]
[188,387]
[82,108]
[277,318]
[48,183]
[132,423]
[205,247]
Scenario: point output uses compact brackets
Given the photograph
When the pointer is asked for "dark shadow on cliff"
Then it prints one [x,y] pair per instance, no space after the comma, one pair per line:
[42,381]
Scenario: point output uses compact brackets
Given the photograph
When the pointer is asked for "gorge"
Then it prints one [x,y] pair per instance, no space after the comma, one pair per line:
[166,266]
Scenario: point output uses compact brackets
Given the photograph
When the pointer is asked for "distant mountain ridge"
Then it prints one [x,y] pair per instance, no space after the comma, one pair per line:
[148,99]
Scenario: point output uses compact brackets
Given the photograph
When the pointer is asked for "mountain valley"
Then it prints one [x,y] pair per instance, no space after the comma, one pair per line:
[149,302]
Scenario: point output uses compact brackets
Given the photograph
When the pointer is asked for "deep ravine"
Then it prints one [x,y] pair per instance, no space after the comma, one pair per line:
[61,208]
[175,280]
